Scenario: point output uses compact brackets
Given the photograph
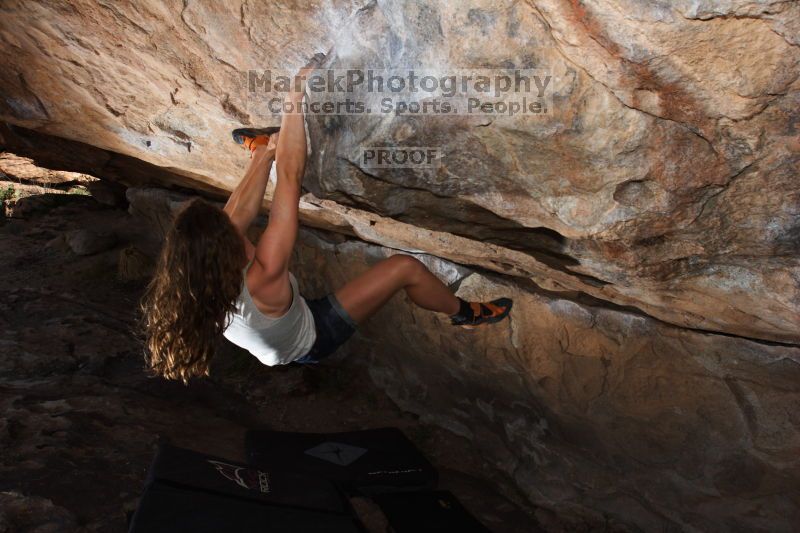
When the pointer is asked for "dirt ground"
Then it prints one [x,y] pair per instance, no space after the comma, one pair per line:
[79,417]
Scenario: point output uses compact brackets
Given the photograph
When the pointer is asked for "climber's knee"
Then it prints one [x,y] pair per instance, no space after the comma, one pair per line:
[408,268]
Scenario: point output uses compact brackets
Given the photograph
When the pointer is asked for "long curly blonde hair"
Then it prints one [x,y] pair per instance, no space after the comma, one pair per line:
[195,286]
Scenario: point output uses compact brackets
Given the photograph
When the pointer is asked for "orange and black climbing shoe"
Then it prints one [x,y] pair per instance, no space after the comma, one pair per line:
[250,138]
[474,314]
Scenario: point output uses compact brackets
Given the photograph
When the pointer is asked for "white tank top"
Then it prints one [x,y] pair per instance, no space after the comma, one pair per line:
[273,340]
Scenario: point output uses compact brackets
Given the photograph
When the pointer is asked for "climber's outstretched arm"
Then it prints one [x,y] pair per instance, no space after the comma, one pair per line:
[274,249]
[245,201]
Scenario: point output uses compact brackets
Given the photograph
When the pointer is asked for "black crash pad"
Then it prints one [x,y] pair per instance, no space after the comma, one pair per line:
[427,511]
[190,491]
[168,509]
[371,461]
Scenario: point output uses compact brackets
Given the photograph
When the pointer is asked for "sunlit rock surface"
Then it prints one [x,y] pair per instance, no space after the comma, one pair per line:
[665,177]
[649,226]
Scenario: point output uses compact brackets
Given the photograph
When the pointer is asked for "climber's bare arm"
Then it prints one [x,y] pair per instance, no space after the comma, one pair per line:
[275,246]
[271,289]
[245,201]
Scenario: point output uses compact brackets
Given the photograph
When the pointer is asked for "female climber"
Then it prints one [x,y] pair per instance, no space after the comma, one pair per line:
[212,280]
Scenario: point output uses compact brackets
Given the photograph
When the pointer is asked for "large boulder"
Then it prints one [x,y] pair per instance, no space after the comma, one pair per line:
[648,225]
[664,177]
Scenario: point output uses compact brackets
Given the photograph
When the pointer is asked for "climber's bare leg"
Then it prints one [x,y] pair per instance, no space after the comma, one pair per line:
[366,294]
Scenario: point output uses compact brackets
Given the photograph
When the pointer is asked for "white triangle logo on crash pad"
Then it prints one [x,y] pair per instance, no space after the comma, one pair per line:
[336,453]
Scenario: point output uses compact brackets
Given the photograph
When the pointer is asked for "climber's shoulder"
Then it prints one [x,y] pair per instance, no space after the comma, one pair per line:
[270,288]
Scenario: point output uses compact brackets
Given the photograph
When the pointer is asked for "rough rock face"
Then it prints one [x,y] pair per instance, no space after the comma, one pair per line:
[668,170]
[649,226]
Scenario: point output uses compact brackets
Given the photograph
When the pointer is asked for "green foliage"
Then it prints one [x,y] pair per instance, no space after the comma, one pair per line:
[7,193]
[79,189]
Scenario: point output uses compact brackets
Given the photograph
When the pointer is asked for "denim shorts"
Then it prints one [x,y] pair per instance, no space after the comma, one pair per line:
[333,325]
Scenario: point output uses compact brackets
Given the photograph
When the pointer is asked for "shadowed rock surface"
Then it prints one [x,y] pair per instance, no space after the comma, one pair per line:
[648,227]
[606,417]
[80,418]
